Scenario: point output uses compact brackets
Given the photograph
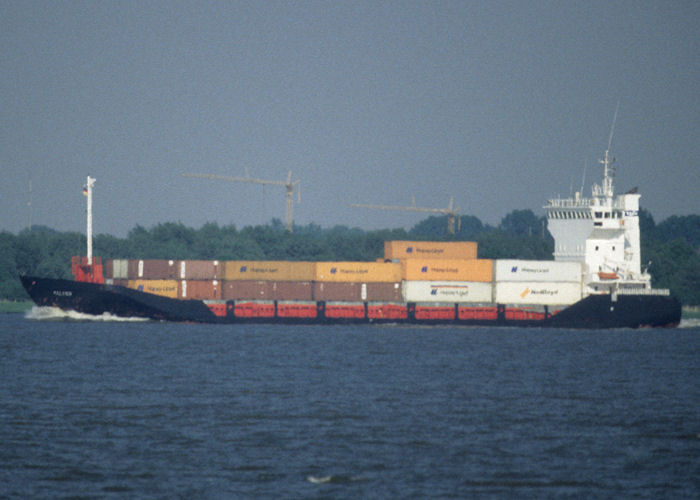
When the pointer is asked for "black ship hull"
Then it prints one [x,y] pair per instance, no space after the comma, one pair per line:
[593,312]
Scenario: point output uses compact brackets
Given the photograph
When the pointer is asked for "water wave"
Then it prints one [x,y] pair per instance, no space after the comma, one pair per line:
[690,323]
[333,478]
[54,313]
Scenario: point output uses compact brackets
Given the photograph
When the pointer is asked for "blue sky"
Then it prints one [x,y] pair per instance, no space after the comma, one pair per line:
[501,105]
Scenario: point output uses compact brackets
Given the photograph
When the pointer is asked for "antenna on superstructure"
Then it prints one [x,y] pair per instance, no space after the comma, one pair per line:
[612,128]
[583,177]
[608,169]
[29,204]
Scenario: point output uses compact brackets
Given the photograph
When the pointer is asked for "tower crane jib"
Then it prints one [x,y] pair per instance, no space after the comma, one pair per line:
[289,185]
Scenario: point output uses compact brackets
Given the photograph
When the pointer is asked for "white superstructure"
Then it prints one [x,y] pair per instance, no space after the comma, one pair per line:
[602,232]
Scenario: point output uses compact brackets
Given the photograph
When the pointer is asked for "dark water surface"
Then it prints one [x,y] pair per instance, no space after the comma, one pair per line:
[156,410]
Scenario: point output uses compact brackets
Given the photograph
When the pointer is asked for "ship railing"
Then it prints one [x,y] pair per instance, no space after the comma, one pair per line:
[570,203]
[644,291]
[583,203]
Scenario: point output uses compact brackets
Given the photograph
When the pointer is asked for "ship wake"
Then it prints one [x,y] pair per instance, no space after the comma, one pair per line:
[54,313]
[689,323]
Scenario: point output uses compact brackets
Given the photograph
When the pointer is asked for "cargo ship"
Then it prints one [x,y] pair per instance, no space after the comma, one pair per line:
[595,280]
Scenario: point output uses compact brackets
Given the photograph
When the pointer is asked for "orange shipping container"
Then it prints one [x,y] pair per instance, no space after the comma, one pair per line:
[480,270]
[166,288]
[357,272]
[270,270]
[430,250]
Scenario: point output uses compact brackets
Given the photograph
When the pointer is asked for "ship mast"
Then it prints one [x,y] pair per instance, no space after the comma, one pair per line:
[607,190]
[88,191]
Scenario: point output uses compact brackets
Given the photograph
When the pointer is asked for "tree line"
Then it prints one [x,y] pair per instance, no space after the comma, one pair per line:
[670,249]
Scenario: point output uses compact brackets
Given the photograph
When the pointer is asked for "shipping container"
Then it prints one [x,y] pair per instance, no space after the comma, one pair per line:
[201,289]
[447,291]
[435,312]
[152,269]
[383,292]
[292,290]
[358,272]
[116,268]
[347,292]
[448,270]
[483,313]
[545,293]
[345,311]
[537,270]
[218,308]
[383,311]
[254,309]
[120,269]
[429,250]
[297,310]
[520,314]
[166,288]
[351,292]
[108,270]
[268,270]
[248,290]
[199,270]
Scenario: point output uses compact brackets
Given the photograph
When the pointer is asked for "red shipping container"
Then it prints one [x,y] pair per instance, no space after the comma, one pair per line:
[247,290]
[199,270]
[108,269]
[152,269]
[435,312]
[254,310]
[337,291]
[200,290]
[384,292]
[292,290]
[297,310]
[219,308]
[354,311]
[387,311]
[357,292]
[480,313]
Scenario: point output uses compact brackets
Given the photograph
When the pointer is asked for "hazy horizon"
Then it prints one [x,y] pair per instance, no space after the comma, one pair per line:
[501,105]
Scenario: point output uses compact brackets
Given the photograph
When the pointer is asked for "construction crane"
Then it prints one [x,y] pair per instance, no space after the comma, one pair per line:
[453,220]
[288,184]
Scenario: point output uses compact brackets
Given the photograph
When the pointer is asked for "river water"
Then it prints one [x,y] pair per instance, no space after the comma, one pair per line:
[125,409]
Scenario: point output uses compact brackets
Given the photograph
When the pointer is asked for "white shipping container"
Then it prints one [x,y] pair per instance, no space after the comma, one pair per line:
[543,293]
[447,291]
[538,270]
[120,268]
